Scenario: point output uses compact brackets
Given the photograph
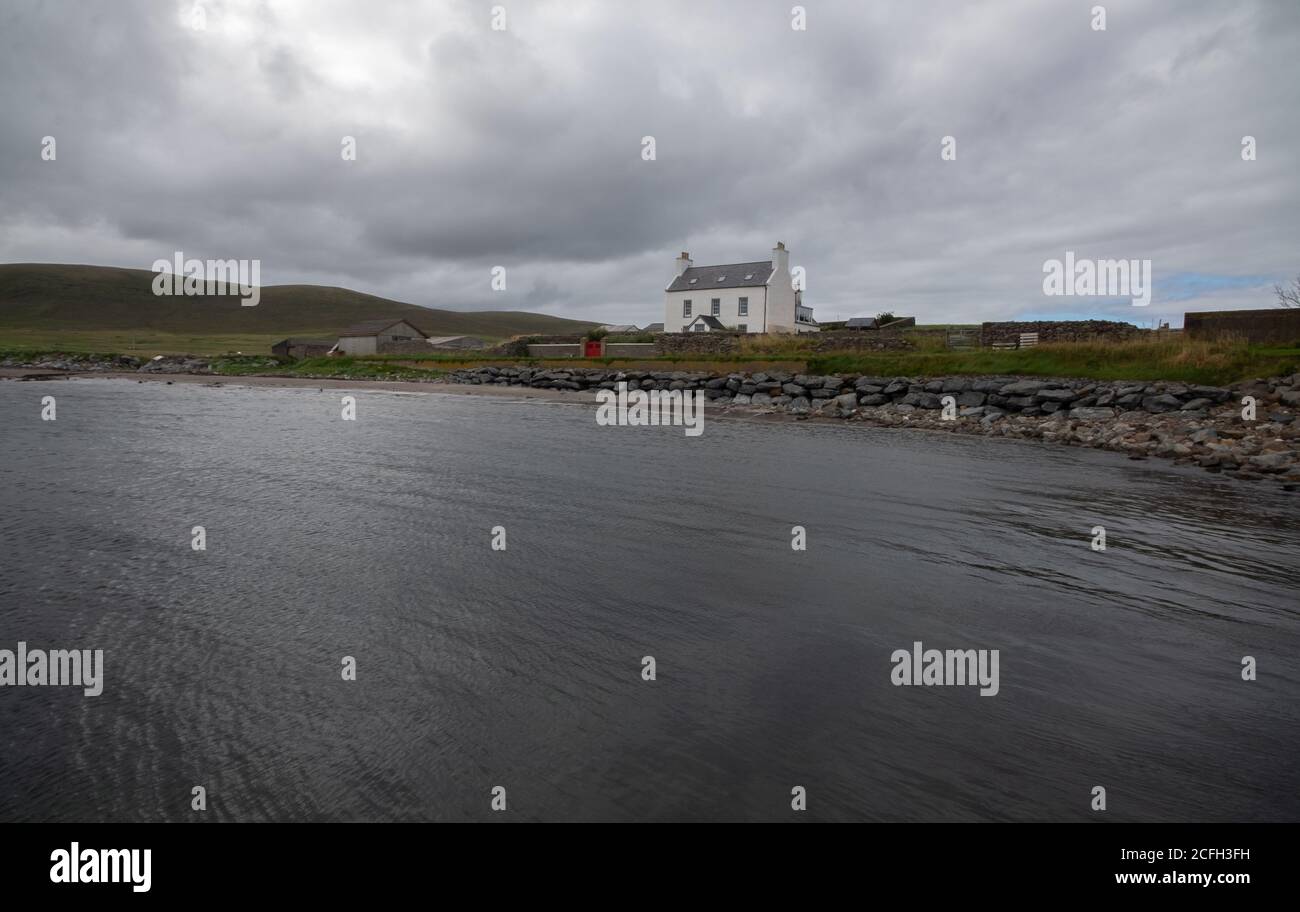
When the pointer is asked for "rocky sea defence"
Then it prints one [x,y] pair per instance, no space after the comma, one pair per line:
[1208,426]
[1248,430]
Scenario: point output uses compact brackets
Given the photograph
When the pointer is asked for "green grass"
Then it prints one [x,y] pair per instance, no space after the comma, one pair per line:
[1174,359]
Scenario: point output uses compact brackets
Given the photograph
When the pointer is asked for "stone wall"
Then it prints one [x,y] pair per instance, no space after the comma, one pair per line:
[630,350]
[518,348]
[710,343]
[1058,331]
[555,350]
[717,343]
[1276,326]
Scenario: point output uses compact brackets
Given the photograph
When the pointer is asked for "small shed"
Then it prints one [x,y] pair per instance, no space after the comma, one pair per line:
[298,349]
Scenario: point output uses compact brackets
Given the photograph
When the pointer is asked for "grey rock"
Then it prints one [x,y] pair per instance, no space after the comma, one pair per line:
[1055,395]
[1272,462]
[1092,414]
[1163,403]
[971,398]
[922,400]
[1023,387]
[873,399]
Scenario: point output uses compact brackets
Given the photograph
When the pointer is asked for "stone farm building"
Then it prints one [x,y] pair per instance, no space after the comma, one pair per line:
[302,348]
[373,337]
[757,297]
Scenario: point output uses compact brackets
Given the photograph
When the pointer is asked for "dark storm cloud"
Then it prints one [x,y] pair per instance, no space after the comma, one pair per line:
[522,148]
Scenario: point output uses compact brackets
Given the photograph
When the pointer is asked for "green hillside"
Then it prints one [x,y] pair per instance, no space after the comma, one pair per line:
[93,308]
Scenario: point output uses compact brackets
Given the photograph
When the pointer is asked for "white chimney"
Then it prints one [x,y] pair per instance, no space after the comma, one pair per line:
[781,262]
[683,262]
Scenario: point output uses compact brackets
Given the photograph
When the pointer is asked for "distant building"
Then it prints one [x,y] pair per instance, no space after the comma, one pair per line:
[301,348]
[653,328]
[747,297]
[620,328]
[373,337]
[861,323]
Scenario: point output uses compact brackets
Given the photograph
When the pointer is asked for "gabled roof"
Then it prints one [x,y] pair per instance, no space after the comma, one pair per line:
[375,327]
[711,322]
[864,322]
[654,328]
[730,275]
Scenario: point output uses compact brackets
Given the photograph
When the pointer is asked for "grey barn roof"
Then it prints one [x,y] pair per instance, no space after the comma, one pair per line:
[865,322]
[375,327]
[732,274]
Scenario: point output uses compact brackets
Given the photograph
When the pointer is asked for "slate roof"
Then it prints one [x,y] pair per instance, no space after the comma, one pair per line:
[711,322]
[863,322]
[732,275]
[375,327]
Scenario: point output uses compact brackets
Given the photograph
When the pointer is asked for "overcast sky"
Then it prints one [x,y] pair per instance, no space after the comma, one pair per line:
[523,148]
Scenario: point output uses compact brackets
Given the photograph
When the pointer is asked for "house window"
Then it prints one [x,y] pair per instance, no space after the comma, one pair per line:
[686,308]
[742,327]
[715,307]
[744,307]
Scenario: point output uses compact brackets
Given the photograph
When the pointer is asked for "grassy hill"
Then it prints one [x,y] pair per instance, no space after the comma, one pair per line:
[103,308]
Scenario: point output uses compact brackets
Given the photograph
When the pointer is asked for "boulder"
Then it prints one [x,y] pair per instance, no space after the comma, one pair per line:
[1092,414]
[922,400]
[1023,387]
[1162,403]
[1055,395]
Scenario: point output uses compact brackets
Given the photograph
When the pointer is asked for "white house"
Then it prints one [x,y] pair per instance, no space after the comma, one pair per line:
[745,297]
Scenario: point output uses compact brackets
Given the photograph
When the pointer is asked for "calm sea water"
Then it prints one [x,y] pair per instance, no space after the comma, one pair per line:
[522,668]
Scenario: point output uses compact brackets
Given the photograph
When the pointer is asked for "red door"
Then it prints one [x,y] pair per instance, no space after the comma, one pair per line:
[593,349]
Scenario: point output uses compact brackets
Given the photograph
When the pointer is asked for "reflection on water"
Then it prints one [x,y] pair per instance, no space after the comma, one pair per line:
[522,667]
